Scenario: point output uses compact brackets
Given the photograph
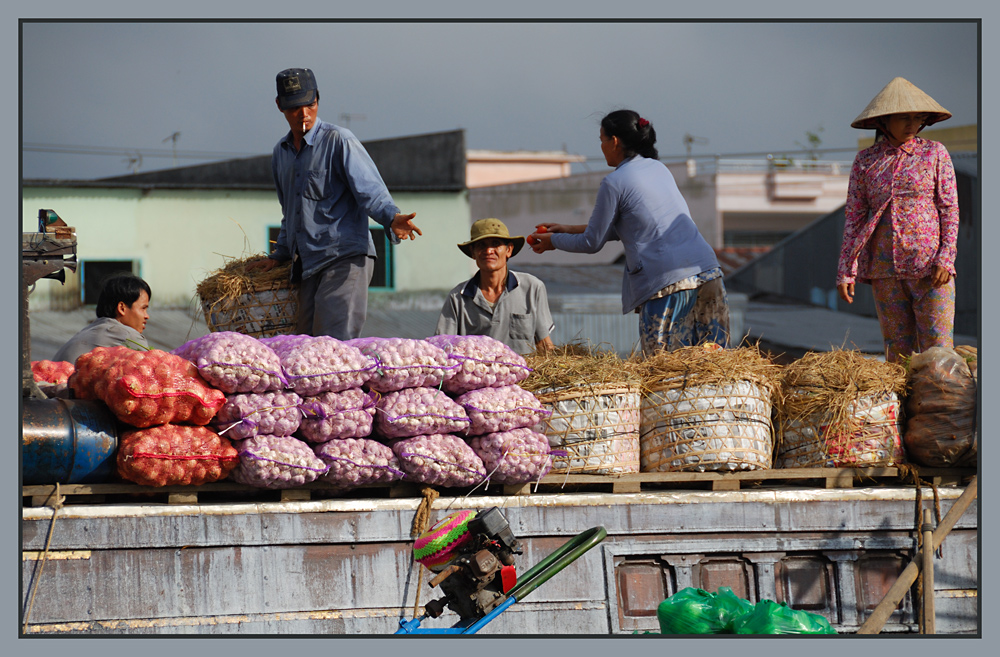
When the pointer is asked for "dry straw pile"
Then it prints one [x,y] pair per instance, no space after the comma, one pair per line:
[234,280]
[253,302]
[576,366]
[701,365]
[829,384]
[594,397]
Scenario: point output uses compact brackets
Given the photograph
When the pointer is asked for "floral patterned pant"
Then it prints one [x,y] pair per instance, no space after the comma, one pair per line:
[914,315]
[685,318]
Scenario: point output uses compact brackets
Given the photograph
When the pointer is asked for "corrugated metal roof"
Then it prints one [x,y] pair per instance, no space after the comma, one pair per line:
[429,162]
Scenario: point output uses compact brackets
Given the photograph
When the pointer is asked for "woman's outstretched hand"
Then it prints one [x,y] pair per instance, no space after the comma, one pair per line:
[540,242]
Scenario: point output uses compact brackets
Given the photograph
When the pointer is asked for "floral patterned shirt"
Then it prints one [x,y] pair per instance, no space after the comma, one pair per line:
[915,184]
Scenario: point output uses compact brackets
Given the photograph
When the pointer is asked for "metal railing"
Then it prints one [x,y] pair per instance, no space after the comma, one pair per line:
[769,164]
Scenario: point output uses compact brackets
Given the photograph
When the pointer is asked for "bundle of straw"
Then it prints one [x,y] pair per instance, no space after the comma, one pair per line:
[249,301]
[593,396]
[707,409]
[701,365]
[235,279]
[575,366]
[828,383]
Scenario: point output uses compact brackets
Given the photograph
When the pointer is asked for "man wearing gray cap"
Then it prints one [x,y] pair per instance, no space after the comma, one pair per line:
[328,187]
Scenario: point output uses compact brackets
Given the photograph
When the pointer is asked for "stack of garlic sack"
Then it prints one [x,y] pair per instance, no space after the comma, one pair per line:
[501,414]
[259,412]
[414,417]
[321,379]
[167,405]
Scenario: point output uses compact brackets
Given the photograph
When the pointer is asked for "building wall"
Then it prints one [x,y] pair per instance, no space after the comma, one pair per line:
[180,237]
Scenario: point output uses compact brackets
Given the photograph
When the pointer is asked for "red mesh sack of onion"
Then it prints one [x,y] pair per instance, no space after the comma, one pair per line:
[500,409]
[276,462]
[174,455]
[439,460]
[234,362]
[482,362]
[313,365]
[404,363]
[332,415]
[245,415]
[353,462]
[52,376]
[513,457]
[418,412]
[146,388]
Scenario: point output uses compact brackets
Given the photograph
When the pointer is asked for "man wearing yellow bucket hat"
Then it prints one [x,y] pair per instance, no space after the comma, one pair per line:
[509,306]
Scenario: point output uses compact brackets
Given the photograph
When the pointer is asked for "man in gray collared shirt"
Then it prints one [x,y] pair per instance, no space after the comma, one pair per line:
[512,307]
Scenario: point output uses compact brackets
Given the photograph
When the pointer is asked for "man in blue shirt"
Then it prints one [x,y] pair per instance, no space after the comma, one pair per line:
[328,187]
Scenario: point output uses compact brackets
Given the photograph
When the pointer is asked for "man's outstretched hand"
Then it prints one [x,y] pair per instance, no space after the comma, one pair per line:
[404,228]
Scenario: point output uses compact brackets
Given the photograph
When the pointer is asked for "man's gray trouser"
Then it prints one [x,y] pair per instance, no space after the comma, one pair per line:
[334,302]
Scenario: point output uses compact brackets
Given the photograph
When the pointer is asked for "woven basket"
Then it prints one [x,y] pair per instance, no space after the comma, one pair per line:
[597,427]
[263,312]
[808,443]
[706,428]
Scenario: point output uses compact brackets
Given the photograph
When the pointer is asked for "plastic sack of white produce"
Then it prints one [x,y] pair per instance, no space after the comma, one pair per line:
[331,415]
[245,415]
[356,462]
[233,362]
[483,362]
[313,365]
[417,412]
[513,457]
[439,460]
[500,409]
[276,462]
[404,363]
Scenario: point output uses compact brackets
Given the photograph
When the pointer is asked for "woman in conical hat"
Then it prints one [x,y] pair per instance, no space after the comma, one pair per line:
[901,223]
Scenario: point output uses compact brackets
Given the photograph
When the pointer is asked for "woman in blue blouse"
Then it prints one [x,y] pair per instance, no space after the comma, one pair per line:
[672,277]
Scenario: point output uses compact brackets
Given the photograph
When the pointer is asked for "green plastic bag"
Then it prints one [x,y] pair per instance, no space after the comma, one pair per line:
[769,617]
[696,611]
[730,607]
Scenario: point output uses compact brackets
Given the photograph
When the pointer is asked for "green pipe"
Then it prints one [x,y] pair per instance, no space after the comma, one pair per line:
[545,569]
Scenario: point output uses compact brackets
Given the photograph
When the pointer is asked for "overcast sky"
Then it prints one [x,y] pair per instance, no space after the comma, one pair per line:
[744,87]
[739,87]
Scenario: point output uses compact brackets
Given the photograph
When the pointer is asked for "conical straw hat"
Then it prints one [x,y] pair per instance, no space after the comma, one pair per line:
[898,97]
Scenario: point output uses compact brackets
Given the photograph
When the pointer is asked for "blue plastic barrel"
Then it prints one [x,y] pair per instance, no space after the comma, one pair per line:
[67,441]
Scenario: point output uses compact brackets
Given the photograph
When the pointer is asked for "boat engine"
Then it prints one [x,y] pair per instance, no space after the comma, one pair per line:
[473,554]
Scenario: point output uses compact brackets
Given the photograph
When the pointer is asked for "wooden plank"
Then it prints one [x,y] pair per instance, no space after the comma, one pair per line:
[38,495]
[295,495]
[626,486]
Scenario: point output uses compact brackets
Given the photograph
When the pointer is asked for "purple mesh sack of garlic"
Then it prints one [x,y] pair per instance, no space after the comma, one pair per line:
[483,362]
[245,415]
[418,411]
[513,457]
[439,460]
[276,462]
[313,365]
[333,415]
[353,462]
[404,363]
[233,362]
[500,409]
